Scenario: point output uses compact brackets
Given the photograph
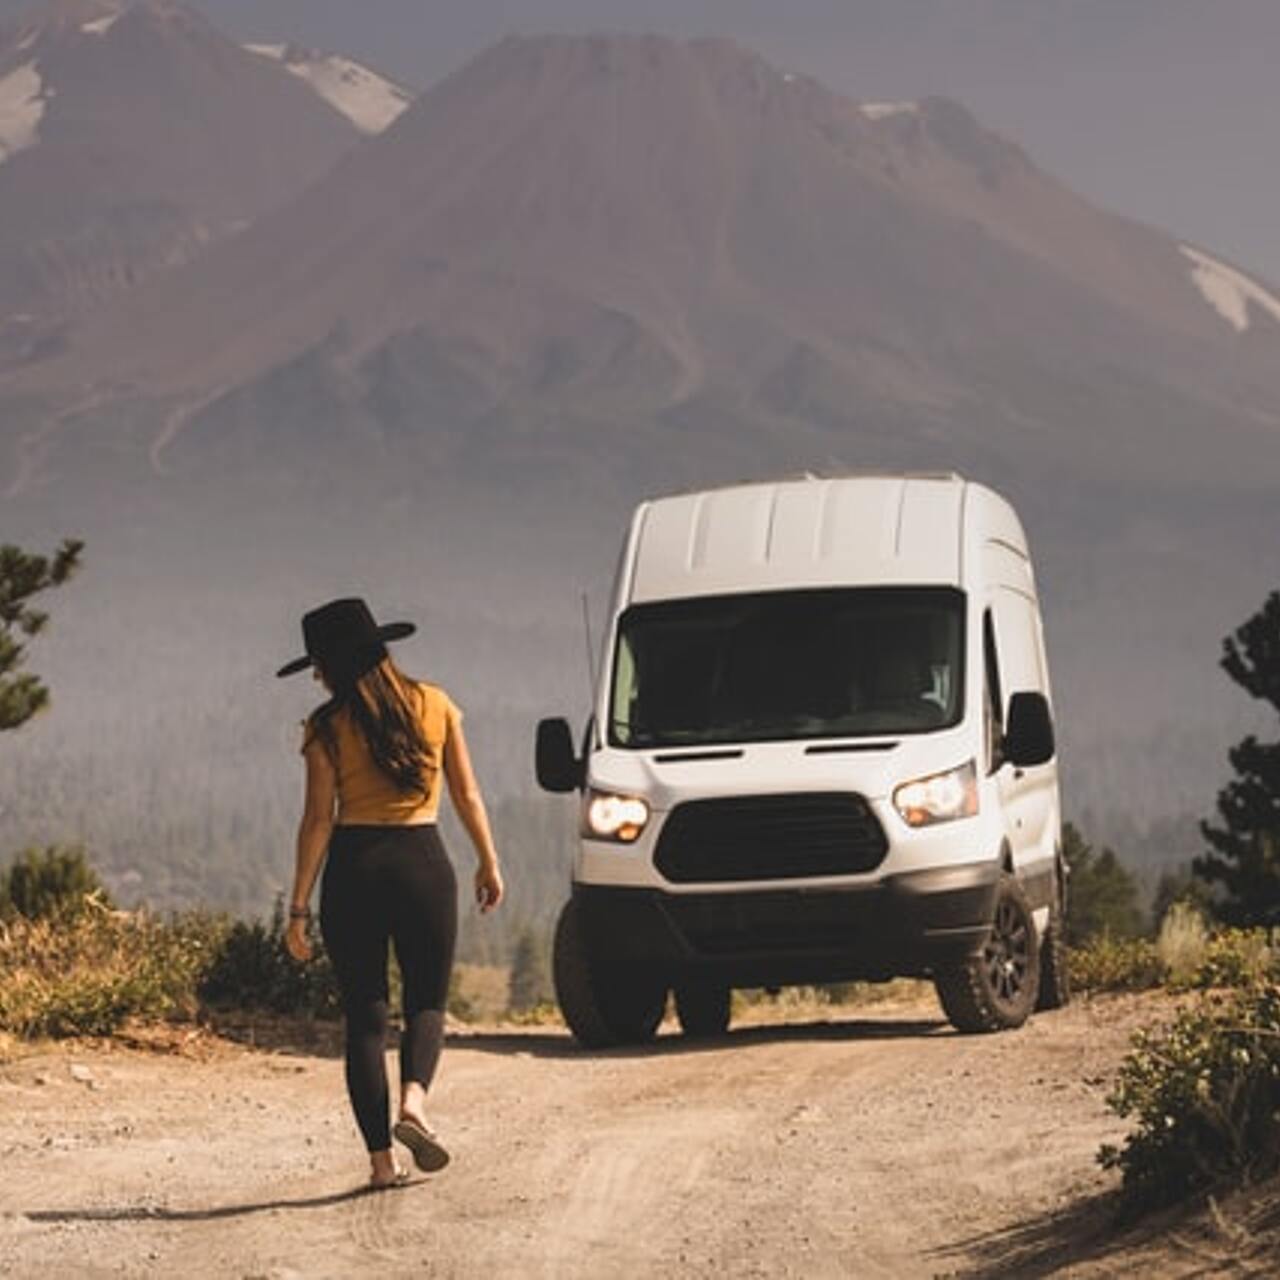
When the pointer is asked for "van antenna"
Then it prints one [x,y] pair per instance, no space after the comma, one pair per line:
[591,650]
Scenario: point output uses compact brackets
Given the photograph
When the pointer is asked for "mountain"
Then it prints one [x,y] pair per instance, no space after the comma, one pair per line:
[581,270]
[131,137]
[648,229]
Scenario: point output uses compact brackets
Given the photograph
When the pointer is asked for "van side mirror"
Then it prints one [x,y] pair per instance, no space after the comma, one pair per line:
[556,764]
[1028,735]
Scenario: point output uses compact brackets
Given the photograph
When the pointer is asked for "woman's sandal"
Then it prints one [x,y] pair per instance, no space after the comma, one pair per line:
[428,1153]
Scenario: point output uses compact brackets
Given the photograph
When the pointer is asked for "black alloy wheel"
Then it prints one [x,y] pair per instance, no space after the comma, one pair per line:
[1007,955]
[995,988]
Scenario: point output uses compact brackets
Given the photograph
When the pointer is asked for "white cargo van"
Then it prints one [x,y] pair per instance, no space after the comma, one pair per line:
[822,749]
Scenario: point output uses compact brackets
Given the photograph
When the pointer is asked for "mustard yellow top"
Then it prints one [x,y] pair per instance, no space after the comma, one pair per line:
[366,796]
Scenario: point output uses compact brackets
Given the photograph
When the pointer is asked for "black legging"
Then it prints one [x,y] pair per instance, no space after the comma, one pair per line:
[385,882]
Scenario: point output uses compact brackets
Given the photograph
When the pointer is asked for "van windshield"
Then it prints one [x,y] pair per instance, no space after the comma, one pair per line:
[779,665]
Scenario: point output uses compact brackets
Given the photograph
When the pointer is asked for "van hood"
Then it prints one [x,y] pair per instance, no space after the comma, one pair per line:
[870,767]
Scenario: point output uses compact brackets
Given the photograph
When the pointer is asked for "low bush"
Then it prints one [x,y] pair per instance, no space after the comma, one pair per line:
[252,970]
[1186,956]
[1116,964]
[1206,1094]
[1239,958]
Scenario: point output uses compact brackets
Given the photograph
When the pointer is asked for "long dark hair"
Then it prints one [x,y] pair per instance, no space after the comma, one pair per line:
[385,713]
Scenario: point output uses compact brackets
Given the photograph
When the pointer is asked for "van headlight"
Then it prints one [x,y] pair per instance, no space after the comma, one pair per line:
[941,797]
[608,816]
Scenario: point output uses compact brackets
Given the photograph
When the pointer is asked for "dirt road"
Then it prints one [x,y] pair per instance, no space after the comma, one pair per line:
[878,1143]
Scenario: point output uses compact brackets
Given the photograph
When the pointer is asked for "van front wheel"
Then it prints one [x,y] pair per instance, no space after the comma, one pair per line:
[995,988]
[603,1005]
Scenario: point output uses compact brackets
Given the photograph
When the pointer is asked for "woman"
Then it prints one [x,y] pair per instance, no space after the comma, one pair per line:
[375,754]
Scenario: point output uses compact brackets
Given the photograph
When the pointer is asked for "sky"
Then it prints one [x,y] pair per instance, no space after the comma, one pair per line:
[1164,110]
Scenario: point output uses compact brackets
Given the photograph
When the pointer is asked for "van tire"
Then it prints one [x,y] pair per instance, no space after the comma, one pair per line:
[1055,981]
[603,1006]
[703,1008]
[996,987]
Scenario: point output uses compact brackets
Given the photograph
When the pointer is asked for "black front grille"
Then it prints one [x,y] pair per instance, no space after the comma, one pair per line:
[771,921]
[784,837]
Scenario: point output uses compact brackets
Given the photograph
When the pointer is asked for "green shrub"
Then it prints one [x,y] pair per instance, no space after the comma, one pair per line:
[1184,956]
[253,970]
[52,883]
[1115,964]
[1206,1094]
[1239,958]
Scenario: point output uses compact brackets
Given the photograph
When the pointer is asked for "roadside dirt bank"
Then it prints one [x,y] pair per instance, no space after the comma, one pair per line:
[860,1142]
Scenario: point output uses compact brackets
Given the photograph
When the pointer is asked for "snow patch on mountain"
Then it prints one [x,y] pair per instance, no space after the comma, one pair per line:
[100,26]
[1228,291]
[21,107]
[882,110]
[370,101]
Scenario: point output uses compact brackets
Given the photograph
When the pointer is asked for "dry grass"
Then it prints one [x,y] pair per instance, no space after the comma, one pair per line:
[480,991]
[1183,943]
[816,1004]
[87,975]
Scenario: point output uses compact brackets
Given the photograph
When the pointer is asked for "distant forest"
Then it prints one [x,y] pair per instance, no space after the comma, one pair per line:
[171,751]
[186,809]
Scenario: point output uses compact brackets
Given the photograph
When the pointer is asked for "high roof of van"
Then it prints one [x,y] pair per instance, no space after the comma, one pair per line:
[899,529]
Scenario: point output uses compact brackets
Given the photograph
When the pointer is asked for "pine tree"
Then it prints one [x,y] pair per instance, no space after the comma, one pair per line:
[1102,897]
[1245,857]
[52,883]
[21,577]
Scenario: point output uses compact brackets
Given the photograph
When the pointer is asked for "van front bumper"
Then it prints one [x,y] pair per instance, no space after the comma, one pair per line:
[901,925]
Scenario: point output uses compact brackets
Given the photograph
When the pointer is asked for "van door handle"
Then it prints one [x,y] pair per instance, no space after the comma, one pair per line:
[1018,774]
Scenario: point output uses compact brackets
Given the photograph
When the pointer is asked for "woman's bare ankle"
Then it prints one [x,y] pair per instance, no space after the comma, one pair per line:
[382,1165]
[413,1101]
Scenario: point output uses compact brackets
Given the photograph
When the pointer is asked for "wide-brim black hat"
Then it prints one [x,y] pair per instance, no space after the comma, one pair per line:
[342,638]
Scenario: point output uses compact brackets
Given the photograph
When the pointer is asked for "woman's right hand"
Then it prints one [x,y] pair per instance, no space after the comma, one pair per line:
[295,941]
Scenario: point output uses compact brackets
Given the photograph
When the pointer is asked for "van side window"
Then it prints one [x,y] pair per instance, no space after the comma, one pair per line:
[625,686]
[993,703]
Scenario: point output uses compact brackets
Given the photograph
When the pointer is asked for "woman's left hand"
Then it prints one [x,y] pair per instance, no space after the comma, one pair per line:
[489,887]
[295,941]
